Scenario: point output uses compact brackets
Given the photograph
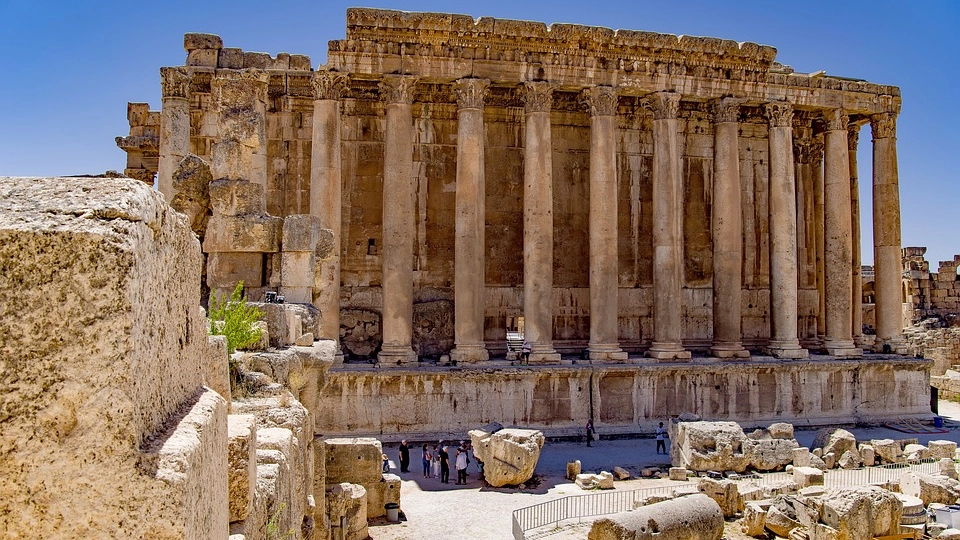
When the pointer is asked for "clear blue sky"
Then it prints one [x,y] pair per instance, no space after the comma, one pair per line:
[70,67]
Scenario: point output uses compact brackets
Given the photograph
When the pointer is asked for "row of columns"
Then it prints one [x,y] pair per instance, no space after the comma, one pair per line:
[840,214]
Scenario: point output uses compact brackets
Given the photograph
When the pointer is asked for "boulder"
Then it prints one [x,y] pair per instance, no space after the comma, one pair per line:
[604,480]
[678,474]
[950,534]
[620,473]
[573,469]
[817,461]
[850,460]
[948,468]
[781,430]
[509,456]
[941,449]
[709,446]
[696,517]
[241,463]
[861,513]
[754,518]
[930,488]
[868,455]
[770,454]
[725,492]
[913,452]
[834,440]
[829,460]
[780,519]
[807,476]
[888,450]
[801,457]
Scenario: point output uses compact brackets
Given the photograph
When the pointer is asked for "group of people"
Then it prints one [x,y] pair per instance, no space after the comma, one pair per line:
[436,461]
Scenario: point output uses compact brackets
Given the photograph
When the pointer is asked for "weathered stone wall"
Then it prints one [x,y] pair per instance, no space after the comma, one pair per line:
[557,400]
[101,361]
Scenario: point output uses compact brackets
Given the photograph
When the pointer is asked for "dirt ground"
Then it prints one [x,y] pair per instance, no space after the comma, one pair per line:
[431,510]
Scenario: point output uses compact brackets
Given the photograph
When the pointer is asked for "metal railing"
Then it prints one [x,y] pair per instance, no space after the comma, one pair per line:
[611,502]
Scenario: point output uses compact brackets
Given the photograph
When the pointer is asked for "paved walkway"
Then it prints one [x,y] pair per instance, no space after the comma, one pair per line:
[433,510]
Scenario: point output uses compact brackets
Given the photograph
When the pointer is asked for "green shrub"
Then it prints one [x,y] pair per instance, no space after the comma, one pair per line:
[234,319]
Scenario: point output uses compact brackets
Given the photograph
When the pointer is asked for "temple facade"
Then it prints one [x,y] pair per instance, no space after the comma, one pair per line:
[615,194]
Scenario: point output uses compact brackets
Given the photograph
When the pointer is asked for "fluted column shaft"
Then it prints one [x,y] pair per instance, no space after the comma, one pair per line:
[325,192]
[727,224]
[838,244]
[538,223]
[399,222]
[174,126]
[783,236]
[886,232]
[602,103]
[856,297]
[470,219]
[667,234]
[816,168]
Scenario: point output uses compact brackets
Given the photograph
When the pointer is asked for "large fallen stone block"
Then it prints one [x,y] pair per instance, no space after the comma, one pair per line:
[509,456]
[850,460]
[781,430]
[709,446]
[241,234]
[807,476]
[888,450]
[695,517]
[941,449]
[930,488]
[241,463]
[355,460]
[913,452]
[834,440]
[387,490]
[868,455]
[781,518]
[861,513]
[725,492]
[770,454]
[754,518]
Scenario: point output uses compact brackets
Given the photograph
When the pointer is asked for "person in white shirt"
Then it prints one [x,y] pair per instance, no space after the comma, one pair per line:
[461,466]
[661,444]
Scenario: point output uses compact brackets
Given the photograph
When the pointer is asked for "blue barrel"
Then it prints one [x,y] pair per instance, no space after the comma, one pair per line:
[938,421]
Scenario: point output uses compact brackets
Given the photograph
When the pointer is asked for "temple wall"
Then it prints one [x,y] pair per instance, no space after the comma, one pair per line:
[627,399]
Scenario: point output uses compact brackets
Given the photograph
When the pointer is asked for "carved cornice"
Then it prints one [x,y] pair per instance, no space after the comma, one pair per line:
[883,125]
[836,120]
[779,114]
[600,100]
[665,105]
[726,110]
[398,88]
[471,93]
[537,96]
[251,80]
[174,82]
[329,85]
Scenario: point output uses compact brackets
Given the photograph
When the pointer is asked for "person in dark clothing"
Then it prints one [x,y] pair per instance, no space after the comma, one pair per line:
[589,431]
[404,457]
[444,466]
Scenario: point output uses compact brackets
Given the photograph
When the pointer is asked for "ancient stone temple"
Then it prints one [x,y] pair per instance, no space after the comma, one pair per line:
[629,199]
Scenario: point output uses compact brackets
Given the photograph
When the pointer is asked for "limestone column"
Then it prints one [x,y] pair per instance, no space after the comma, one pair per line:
[783,235]
[399,222]
[816,167]
[856,297]
[838,244]
[667,234]
[538,223]
[727,233]
[174,126]
[469,282]
[325,191]
[886,232]
[604,327]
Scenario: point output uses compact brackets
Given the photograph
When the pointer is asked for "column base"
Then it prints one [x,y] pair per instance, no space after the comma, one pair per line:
[606,352]
[398,356]
[668,351]
[841,347]
[729,350]
[469,354]
[894,345]
[789,350]
[541,353]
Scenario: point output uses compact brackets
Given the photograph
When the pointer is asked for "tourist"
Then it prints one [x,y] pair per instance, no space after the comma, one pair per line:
[444,466]
[404,457]
[461,466]
[525,353]
[589,431]
[661,444]
[386,463]
[425,458]
[435,462]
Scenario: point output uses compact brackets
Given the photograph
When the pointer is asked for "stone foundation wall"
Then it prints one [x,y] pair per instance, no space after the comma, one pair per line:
[625,399]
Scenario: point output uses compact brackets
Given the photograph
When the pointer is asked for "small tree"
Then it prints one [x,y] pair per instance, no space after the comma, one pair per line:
[235,320]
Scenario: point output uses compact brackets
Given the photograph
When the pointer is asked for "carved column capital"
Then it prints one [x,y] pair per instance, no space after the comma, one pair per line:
[884,125]
[853,135]
[665,105]
[471,93]
[537,96]
[816,150]
[836,120]
[779,114]
[174,82]
[398,88]
[726,110]
[253,83]
[600,100]
[329,85]
[801,150]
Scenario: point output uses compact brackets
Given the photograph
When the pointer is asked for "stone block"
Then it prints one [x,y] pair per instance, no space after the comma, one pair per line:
[850,460]
[930,488]
[216,366]
[299,269]
[779,522]
[678,474]
[230,58]
[306,340]
[807,476]
[754,518]
[950,534]
[801,457]
[781,430]
[356,460]
[948,468]
[299,62]
[237,197]
[621,474]
[510,455]
[301,232]
[941,449]
[861,513]
[225,270]
[256,60]
[604,480]
[242,234]
[233,159]
[829,460]
[692,517]
[202,58]
[709,446]
[573,469]
[193,41]
[913,452]
[387,490]
[834,440]
[241,463]
[725,492]
[769,454]
[867,454]
[888,450]
[348,501]
[108,265]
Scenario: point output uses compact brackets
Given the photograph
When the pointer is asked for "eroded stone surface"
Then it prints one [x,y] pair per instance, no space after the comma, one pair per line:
[509,456]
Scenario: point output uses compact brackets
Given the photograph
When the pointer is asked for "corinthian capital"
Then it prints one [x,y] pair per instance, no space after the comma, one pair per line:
[174,82]
[600,100]
[726,110]
[883,125]
[537,96]
[471,92]
[853,136]
[328,84]
[398,88]
[836,120]
[816,149]
[665,105]
[779,114]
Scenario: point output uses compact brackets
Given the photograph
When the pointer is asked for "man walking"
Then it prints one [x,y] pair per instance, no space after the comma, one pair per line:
[589,431]
[661,444]
[404,457]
